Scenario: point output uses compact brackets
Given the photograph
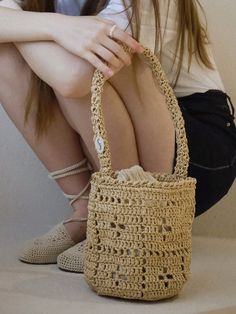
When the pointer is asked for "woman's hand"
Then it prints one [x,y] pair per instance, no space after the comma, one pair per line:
[88,38]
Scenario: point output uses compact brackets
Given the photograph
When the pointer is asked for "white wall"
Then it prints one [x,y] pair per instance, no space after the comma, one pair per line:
[30,202]
[28,199]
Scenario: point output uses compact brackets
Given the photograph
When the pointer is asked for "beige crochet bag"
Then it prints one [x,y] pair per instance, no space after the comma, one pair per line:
[139,229]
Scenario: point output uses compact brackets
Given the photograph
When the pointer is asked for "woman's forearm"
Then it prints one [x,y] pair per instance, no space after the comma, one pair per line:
[52,63]
[65,50]
[21,26]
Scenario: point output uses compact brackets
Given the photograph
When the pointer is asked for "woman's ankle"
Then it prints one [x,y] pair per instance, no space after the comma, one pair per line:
[77,230]
[80,208]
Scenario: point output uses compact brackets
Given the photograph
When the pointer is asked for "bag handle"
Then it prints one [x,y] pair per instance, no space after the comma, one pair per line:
[100,135]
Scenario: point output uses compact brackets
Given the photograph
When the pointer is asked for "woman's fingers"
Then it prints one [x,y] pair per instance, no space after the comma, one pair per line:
[111,52]
[126,38]
[98,64]
[117,50]
[106,55]
[121,35]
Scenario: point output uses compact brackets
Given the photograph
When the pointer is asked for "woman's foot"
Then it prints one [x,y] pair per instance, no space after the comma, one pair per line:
[72,259]
[46,248]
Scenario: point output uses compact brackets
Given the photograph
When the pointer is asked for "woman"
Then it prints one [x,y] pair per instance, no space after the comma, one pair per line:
[58,54]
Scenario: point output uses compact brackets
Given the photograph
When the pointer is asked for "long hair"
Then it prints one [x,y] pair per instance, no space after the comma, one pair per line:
[189,24]
[40,96]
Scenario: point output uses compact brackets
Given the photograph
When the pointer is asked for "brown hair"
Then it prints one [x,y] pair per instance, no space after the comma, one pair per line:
[41,95]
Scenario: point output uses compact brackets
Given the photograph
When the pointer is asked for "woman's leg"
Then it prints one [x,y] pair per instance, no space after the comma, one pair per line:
[154,128]
[139,131]
[118,125]
[60,147]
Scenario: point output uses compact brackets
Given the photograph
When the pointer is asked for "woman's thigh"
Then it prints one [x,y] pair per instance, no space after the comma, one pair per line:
[211,135]
[14,83]
[13,66]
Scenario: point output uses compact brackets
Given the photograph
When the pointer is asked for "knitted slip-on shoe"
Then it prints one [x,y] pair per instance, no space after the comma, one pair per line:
[46,248]
[72,260]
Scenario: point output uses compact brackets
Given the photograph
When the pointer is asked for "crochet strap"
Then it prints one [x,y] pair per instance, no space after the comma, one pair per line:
[71,170]
[100,135]
[80,195]
[81,219]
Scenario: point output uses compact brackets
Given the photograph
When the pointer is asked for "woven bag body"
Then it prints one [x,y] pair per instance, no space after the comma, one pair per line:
[139,234]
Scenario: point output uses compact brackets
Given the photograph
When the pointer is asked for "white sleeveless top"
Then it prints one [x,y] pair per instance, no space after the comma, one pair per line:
[198,79]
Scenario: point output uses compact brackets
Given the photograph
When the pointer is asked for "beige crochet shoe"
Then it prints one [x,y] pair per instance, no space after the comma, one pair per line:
[46,248]
[72,259]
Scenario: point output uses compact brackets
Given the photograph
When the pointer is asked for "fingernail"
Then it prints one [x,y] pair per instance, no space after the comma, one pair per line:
[128,62]
[110,73]
[140,49]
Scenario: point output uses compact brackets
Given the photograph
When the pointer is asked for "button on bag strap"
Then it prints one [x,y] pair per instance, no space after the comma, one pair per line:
[97,118]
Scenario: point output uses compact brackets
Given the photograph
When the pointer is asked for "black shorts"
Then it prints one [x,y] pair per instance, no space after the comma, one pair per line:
[211,135]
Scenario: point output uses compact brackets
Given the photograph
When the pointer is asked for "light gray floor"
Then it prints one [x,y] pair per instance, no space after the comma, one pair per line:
[44,289]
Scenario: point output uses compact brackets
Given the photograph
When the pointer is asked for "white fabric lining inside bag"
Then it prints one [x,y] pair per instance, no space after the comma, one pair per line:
[134,173]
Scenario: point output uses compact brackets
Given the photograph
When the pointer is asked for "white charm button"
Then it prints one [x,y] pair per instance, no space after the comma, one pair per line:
[99,144]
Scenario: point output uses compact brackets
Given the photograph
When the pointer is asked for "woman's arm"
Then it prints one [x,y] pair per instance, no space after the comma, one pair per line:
[24,26]
[51,62]
[63,71]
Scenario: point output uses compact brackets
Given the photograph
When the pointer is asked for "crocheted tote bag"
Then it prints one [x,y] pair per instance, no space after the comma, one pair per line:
[139,232]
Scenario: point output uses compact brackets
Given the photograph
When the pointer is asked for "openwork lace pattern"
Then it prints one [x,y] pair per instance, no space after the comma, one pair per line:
[139,243]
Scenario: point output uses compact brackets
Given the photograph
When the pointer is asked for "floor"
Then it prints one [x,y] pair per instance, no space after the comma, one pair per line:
[44,289]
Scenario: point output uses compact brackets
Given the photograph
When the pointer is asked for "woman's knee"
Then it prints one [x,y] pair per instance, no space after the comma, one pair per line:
[76,83]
